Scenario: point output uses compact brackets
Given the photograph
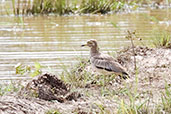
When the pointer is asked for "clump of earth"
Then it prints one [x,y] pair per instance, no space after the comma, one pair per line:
[49,87]
[48,92]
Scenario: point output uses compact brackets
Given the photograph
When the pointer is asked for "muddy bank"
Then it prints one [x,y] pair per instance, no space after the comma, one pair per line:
[153,65]
[48,92]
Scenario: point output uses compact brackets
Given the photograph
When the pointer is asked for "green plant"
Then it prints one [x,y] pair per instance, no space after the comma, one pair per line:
[151,18]
[166,99]
[41,7]
[53,111]
[19,20]
[68,6]
[27,70]
[76,76]
[11,87]
[96,6]
[133,106]
[102,109]
[79,75]
[162,39]
[13,5]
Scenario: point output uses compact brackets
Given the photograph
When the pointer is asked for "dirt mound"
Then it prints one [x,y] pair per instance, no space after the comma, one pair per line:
[35,96]
[154,65]
[48,87]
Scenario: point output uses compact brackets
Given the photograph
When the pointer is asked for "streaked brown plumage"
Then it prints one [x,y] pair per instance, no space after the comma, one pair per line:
[104,63]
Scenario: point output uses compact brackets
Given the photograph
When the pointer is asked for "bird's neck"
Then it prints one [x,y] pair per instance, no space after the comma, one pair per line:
[94,51]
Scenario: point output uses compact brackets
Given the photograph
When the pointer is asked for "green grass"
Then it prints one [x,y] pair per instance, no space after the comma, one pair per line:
[11,87]
[14,86]
[76,76]
[162,39]
[136,105]
[100,6]
[53,111]
[166,100]
[24,70]
[41,7]
[102,109]
[129,99]
[61,7]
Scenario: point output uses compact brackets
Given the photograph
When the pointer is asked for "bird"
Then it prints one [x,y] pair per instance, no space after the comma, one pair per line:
[104,63]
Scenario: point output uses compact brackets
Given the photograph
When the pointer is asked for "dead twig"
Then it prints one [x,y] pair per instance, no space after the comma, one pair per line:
[131,36]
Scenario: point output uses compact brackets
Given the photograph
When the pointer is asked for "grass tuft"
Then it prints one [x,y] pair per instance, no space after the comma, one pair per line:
[53,111]
[24,70]
[97,6]
[166,100]
[62,7]
[11,87]
[162,39]
[76,76]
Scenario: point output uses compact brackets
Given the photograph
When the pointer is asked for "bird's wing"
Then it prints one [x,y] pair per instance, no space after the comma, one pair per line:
[107,62]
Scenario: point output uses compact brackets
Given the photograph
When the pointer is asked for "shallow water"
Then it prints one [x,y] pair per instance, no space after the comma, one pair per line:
[53,40]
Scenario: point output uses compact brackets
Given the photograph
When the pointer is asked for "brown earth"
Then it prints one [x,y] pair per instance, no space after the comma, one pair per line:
[48,92]
[48,87]
[154,65]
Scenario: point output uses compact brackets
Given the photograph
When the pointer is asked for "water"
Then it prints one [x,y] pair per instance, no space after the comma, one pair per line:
[53,40]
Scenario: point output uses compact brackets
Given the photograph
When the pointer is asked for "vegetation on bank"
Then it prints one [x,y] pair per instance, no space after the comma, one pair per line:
[131,101]
[62,7]
[11,87]
[77,78]
[162,39]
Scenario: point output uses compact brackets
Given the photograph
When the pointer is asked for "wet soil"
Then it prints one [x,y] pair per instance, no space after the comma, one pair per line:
[48,92]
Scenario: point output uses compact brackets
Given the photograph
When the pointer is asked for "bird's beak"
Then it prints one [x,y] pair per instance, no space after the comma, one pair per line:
[83,45]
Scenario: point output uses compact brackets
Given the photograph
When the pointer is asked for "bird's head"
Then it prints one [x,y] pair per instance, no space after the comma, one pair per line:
[90,43]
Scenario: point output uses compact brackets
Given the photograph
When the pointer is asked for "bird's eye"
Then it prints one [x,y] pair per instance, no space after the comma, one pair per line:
[89,42]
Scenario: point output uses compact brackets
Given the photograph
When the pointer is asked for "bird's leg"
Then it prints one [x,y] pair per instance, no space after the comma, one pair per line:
[104,80]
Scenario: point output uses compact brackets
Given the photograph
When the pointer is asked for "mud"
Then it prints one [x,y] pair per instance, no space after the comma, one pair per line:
[48,87]
[48,92]
[152,64]
[13,104]
[153,70]
[35,96]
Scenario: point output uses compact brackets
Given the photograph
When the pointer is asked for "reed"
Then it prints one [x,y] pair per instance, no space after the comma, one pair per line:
[97,6]
[26,7]
[61,7]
